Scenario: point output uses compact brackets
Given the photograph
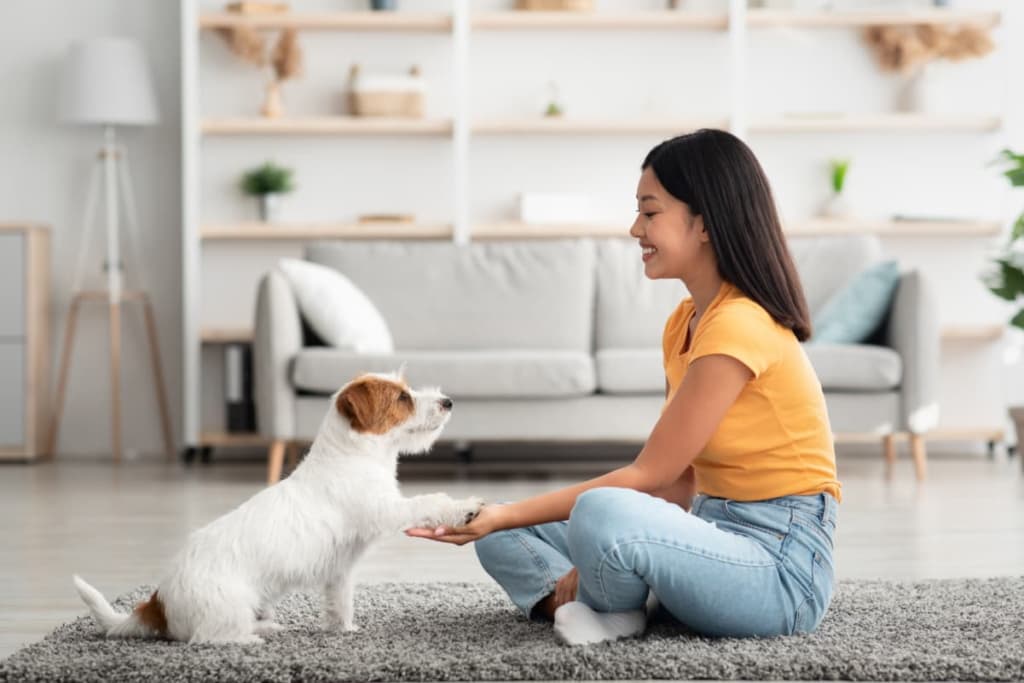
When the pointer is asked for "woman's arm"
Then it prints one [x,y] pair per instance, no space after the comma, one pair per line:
[708,390]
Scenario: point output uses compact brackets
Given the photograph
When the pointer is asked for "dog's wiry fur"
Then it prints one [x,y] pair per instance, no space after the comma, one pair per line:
[307,532]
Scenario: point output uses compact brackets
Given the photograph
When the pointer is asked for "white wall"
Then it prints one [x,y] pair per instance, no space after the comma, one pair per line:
[602,74]
[45,168]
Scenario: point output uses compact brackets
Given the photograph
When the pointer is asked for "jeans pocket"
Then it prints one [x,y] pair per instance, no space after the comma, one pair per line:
[774,520]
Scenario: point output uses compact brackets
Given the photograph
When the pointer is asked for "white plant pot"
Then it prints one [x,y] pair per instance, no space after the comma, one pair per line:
[835,206]
[270,207]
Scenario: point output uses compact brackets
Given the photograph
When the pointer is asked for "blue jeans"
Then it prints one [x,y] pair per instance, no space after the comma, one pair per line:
[725,568]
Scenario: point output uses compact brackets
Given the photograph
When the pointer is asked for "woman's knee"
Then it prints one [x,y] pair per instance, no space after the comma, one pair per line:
[600,511]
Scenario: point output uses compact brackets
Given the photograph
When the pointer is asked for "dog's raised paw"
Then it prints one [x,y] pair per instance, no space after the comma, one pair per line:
[472,508]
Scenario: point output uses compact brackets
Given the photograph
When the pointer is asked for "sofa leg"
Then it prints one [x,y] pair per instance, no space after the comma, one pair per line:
[889,450]
[917,449]
[275,459]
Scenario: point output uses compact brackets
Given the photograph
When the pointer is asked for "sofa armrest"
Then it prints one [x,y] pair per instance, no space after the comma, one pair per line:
[277,338]
[913,332]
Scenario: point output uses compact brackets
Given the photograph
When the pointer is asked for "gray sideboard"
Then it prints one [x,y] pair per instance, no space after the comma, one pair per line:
[24,340]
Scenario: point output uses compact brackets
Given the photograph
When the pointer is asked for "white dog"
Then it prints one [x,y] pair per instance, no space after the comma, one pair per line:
[308,531]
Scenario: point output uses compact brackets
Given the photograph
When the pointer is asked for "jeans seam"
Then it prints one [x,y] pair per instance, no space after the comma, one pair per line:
[541,564]
[599,570]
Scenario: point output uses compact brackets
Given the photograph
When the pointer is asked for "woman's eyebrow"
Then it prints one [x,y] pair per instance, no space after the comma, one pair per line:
[647,197]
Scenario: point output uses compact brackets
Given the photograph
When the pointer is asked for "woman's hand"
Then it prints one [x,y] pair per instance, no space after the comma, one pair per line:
[487,521]
[566,588]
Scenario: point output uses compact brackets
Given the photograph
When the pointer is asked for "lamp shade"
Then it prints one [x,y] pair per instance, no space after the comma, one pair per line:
[106,81]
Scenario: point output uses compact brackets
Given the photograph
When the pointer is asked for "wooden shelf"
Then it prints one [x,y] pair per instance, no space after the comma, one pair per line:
[880,122]
[600,20]
[820,19]
[331,21]
[517,230]
[568,126]
[225,335]
[326,125]
[974,333]
[220,439]
[256,231]
[824,226]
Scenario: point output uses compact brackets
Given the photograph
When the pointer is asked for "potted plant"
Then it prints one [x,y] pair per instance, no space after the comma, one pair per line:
[1006,277]
[282,63]
[835,206]
[268,182]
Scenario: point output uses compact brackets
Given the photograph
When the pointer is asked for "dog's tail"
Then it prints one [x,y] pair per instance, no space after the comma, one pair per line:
[147,621]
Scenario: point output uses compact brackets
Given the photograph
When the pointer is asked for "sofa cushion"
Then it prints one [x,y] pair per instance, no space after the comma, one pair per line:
[853,313]
[459,374]
[855,367]
[631,309]
[440,296]
[630,371]
[825,264]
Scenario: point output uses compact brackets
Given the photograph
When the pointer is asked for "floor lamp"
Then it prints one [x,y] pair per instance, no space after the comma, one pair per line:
[105,82]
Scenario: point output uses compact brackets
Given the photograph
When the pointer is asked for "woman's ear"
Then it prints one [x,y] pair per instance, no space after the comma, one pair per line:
[698,224]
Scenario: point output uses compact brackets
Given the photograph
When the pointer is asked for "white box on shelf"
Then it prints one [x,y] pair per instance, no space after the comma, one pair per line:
[555,208]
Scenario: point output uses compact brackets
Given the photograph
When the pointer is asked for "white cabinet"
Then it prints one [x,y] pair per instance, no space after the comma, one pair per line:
[24,340]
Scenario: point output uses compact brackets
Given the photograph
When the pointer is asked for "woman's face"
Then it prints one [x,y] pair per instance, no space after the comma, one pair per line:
[673,240]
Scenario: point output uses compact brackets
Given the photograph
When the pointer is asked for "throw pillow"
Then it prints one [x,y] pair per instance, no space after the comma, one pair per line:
[853,313]
[338,311]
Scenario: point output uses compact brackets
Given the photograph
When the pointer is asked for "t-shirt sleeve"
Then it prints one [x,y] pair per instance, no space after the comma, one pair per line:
[742,331]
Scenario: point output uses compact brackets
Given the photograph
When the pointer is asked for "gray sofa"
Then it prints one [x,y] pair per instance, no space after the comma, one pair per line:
[559,340]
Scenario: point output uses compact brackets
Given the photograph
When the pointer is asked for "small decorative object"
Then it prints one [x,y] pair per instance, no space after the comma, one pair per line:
[382,95]
[554,108]
[387,218]
[384,5]
[284,62]
[555,5]
[909,49]
[836,206]
[1005,279]
[268,182]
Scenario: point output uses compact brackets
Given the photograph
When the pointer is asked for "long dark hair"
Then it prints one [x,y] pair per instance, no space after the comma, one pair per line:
[720,179]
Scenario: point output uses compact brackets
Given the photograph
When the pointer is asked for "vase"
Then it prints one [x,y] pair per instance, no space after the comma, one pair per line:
[272,107]
[835,206]
[914,95]
[270,207]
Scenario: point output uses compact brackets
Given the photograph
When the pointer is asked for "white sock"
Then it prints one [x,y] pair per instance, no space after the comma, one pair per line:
[577,624]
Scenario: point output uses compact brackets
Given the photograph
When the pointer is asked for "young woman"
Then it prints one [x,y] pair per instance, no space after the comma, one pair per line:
[728,513]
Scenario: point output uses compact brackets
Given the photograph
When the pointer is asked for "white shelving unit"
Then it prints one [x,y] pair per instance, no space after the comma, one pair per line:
[458,130]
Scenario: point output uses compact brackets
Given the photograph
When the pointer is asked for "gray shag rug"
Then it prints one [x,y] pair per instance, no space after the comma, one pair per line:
[968,630]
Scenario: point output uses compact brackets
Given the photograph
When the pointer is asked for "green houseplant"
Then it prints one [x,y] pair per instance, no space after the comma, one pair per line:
[267,183]
[1005,278]
[835,206]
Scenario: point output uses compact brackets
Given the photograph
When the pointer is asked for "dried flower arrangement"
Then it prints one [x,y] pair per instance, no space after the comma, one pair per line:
[285,61]
[905,48]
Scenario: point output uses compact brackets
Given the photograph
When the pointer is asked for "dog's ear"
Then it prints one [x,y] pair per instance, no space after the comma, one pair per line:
[356,404]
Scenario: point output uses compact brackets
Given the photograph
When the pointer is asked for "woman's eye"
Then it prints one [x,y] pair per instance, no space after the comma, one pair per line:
[649,215]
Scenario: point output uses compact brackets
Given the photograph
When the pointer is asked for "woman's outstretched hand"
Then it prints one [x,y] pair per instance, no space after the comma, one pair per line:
[484,523]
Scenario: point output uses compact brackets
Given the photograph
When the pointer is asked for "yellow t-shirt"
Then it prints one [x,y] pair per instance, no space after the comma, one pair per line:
[775,440]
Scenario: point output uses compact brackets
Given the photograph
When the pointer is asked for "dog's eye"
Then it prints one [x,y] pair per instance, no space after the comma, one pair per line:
[405,397]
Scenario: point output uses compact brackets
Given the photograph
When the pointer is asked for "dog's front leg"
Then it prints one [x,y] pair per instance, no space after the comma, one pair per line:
[437,509]
[340,604]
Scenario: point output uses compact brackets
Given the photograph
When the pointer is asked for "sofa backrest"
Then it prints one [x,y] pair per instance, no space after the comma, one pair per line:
[631,309]
[486,295]
[826,263]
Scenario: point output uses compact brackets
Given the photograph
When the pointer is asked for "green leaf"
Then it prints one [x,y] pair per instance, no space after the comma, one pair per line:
[1010,281]
[267,179]
[1018,229]
[1015,175]
[1018,320]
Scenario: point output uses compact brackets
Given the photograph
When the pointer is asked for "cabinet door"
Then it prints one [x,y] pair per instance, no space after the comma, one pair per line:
[12,285]
[12,393]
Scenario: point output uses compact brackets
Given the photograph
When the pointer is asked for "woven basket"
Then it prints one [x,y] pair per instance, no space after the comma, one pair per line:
[555,5]
[402,104]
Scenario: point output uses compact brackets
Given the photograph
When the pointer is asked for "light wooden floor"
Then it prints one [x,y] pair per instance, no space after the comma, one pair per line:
[116,525]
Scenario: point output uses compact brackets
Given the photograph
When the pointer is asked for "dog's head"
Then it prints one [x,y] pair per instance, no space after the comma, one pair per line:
[383,407]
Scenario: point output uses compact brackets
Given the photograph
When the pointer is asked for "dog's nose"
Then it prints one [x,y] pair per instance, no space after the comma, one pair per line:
[446,403]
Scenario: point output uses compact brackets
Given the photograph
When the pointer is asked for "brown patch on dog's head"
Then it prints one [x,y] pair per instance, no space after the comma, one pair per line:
[151,614]
[375,405]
